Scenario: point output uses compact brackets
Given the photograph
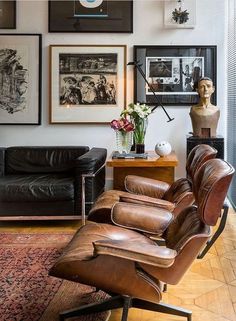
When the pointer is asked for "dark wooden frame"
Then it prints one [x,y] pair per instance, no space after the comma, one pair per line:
[9,15]
[60,18]
[142,52]
[38,71]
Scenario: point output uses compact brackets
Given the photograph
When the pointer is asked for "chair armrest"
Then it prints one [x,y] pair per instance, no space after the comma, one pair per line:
[142,218]
[149,201]
[145,186]
[151,254]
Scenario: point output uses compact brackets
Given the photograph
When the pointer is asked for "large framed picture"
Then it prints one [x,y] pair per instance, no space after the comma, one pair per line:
[20,79]
[88,83]
[8,14]
[173,73]
[90,16]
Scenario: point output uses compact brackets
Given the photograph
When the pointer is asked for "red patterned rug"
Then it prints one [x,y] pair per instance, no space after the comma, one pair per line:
[27,293]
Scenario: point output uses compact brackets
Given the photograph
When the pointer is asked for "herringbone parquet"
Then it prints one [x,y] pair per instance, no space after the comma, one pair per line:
[208,288]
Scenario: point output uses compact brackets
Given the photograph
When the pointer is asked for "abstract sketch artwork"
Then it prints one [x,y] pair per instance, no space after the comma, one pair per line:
[14,79]
[88,79]
[20,77]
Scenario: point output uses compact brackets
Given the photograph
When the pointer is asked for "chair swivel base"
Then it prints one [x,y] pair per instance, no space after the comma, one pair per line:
[125,302]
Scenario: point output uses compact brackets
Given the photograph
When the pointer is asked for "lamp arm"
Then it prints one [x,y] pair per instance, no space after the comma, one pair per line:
[138,66]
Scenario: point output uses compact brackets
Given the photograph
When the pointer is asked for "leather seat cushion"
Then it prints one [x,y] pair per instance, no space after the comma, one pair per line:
[101,210]
[81,246]
[36,188]
[109,273]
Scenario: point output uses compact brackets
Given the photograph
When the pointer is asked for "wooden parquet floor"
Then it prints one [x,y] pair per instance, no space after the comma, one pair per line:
[208,288]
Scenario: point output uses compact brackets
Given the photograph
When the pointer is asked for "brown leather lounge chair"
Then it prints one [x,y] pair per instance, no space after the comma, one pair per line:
[130,266]
[141,190]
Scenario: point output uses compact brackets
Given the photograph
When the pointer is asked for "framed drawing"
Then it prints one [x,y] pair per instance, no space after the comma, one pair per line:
[20,79]
[8,14]
[88,83]
[180,14]
[90,16]
[173,73]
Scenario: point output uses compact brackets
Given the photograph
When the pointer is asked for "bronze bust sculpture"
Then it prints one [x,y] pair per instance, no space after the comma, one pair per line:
[204,115]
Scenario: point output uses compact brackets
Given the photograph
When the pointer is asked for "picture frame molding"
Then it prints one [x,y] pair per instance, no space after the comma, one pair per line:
[39,78]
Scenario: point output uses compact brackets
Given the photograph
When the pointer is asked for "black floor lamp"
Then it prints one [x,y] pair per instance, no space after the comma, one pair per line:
[158,103]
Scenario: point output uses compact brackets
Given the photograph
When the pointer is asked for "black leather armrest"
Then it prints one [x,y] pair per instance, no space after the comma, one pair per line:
[88,190]
[91,161]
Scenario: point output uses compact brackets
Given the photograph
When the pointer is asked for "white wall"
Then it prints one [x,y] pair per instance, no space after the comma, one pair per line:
[148,29]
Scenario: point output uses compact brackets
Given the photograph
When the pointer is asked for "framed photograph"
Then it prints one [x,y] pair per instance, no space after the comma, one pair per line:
[90,16]
[88,83]
[20,79]
[180,15]
[8,14]
[173,73]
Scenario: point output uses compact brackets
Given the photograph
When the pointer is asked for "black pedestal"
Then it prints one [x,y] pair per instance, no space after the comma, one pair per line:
[216,142]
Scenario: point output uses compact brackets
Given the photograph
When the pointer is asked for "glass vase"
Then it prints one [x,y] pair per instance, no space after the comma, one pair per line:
[139,134]
[124,141]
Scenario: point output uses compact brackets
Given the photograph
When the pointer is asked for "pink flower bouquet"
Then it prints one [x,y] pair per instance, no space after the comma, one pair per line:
[122,124]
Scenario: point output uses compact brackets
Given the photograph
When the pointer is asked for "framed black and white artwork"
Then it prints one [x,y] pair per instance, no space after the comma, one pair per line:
[173,73]
[90,16]
[87,83]
[20,79]
[8,14]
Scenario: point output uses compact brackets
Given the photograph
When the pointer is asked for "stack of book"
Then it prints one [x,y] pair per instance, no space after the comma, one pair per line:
[129,155]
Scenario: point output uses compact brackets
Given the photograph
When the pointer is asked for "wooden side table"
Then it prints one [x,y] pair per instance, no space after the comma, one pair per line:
[162,168]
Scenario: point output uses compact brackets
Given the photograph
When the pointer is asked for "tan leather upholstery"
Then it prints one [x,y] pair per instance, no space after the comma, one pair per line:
[123,261]
[214,183]
[142,190]
[134,216]
[145,186]
[146,200]
[110,273]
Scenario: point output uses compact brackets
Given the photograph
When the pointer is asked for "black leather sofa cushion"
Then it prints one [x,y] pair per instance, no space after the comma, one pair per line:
[46,181]
[42,159]
[36,188]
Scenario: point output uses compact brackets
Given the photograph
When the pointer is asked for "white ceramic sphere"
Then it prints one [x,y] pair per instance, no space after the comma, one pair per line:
[163,148]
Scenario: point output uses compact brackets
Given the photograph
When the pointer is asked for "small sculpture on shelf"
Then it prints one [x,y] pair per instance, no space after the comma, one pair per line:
[163,148]
[205,115]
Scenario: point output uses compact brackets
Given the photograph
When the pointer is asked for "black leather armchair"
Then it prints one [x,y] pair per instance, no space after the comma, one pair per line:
[50,182]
